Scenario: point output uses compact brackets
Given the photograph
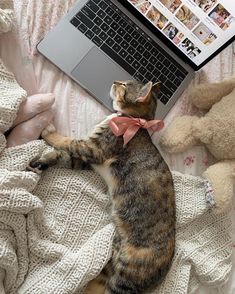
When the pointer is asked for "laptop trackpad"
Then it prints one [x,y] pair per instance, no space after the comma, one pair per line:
[96,72]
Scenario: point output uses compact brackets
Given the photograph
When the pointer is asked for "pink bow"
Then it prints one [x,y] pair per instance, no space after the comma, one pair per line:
[129,126]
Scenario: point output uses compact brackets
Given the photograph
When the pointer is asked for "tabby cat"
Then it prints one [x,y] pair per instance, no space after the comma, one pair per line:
[141,189]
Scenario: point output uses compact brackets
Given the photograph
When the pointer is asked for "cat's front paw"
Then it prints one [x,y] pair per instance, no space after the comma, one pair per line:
[37,166]
[49,129]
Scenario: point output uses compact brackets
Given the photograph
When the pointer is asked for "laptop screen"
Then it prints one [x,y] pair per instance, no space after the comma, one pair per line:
[197,27]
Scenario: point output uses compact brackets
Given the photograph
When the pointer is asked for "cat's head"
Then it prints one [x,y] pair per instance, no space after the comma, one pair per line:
[135,98]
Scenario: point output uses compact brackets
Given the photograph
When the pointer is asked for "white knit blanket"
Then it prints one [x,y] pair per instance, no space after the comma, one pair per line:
[55,229]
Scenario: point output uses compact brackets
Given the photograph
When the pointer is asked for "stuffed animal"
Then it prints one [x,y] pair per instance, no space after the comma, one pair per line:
[216,130]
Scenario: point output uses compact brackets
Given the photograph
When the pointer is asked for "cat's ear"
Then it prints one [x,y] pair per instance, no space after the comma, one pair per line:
[144,93]
[156,89]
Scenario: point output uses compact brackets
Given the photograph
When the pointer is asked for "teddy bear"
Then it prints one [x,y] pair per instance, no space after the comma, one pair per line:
[215,128]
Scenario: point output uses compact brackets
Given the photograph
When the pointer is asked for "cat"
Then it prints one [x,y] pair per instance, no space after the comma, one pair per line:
[141,188]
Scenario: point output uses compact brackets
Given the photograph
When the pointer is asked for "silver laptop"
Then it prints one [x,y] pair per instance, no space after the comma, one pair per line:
[100,41]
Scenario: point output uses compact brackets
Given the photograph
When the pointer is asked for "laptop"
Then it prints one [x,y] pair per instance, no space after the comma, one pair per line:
[100,41]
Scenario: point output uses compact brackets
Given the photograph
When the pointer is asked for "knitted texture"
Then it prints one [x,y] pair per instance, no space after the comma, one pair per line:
[6,15]
[11,97]
[56,233]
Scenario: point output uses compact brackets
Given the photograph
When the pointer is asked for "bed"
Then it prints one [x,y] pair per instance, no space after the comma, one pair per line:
[76,113]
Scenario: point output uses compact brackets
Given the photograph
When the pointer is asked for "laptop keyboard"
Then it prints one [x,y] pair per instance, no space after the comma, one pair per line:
[117,36]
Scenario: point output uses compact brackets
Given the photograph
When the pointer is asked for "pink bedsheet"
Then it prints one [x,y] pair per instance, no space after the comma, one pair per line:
[76,112]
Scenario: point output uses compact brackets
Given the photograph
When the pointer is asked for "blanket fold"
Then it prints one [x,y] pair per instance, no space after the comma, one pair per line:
[56,232]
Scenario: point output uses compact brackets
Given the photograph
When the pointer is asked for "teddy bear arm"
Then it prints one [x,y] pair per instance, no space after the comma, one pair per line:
[179,135]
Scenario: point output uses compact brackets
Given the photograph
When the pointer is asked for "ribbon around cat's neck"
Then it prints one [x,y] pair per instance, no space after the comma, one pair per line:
[128,126]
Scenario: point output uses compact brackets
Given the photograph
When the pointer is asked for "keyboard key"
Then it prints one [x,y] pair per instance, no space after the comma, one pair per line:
[123,23]
[141,40]
[82,28]
[146,54]
[136,64]
[140,49]
[92,6]
[159,66]
[160,57]
[103,5]
[109,11]
[171,76]
[148,46]
[89,34]
[143,61]
[153,59]
[138,76]
[166,91]
[124,45]
[101,14]
[85,20]
[114,25]
[170,86]
[166,62]
[116,47]
[154,51]
[97,41]
[135,35]
[137,55]
[129,29]
[111,33]
[75,22]
[177,82]
[121,31]
[179,74]
[96,1]
[131,50]
[164,99]
[165,71]
[172,68]
[118,59]
[142,70]
[162,78]
[98,21]
[148,76]
[103,36]
[118,39]
[134,43]
[110,42]
[123,53]
[86,10]
[155,79]
[150,67]
[96,30]
[184,71]
[104,27]
[116,17]
[129,59]
[127,37]
[156,73]
[108,20]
